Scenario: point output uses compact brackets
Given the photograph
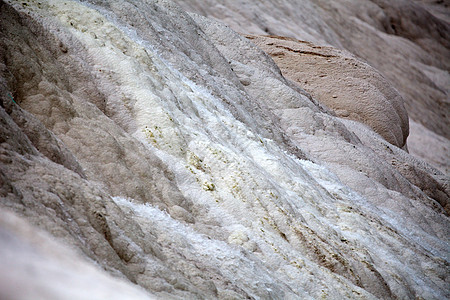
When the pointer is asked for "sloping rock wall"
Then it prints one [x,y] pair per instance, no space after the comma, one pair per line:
[169,151]
[406,41]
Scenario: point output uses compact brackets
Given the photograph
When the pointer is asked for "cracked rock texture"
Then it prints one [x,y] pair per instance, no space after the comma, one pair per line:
[147,152]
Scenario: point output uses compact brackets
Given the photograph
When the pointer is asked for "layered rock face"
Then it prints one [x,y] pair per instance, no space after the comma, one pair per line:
[160,154]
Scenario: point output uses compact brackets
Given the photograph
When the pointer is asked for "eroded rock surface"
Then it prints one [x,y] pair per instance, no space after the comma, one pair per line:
[171,152]
[37,267]
[406,41]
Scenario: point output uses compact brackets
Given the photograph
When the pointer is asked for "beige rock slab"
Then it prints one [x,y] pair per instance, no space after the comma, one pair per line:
[350,87]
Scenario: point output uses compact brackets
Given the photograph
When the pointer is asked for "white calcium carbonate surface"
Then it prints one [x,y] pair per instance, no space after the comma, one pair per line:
[253,194]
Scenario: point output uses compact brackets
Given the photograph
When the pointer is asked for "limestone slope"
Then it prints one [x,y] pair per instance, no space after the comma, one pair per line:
[170,151]
[406,41]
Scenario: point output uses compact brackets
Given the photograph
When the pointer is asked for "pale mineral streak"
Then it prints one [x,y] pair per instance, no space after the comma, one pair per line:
[169,151]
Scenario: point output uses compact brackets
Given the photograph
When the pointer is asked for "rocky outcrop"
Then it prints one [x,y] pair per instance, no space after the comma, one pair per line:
[169,151]
[351,88]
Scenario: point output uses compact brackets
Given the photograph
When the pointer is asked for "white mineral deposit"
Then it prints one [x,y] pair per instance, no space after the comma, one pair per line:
[201,149]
